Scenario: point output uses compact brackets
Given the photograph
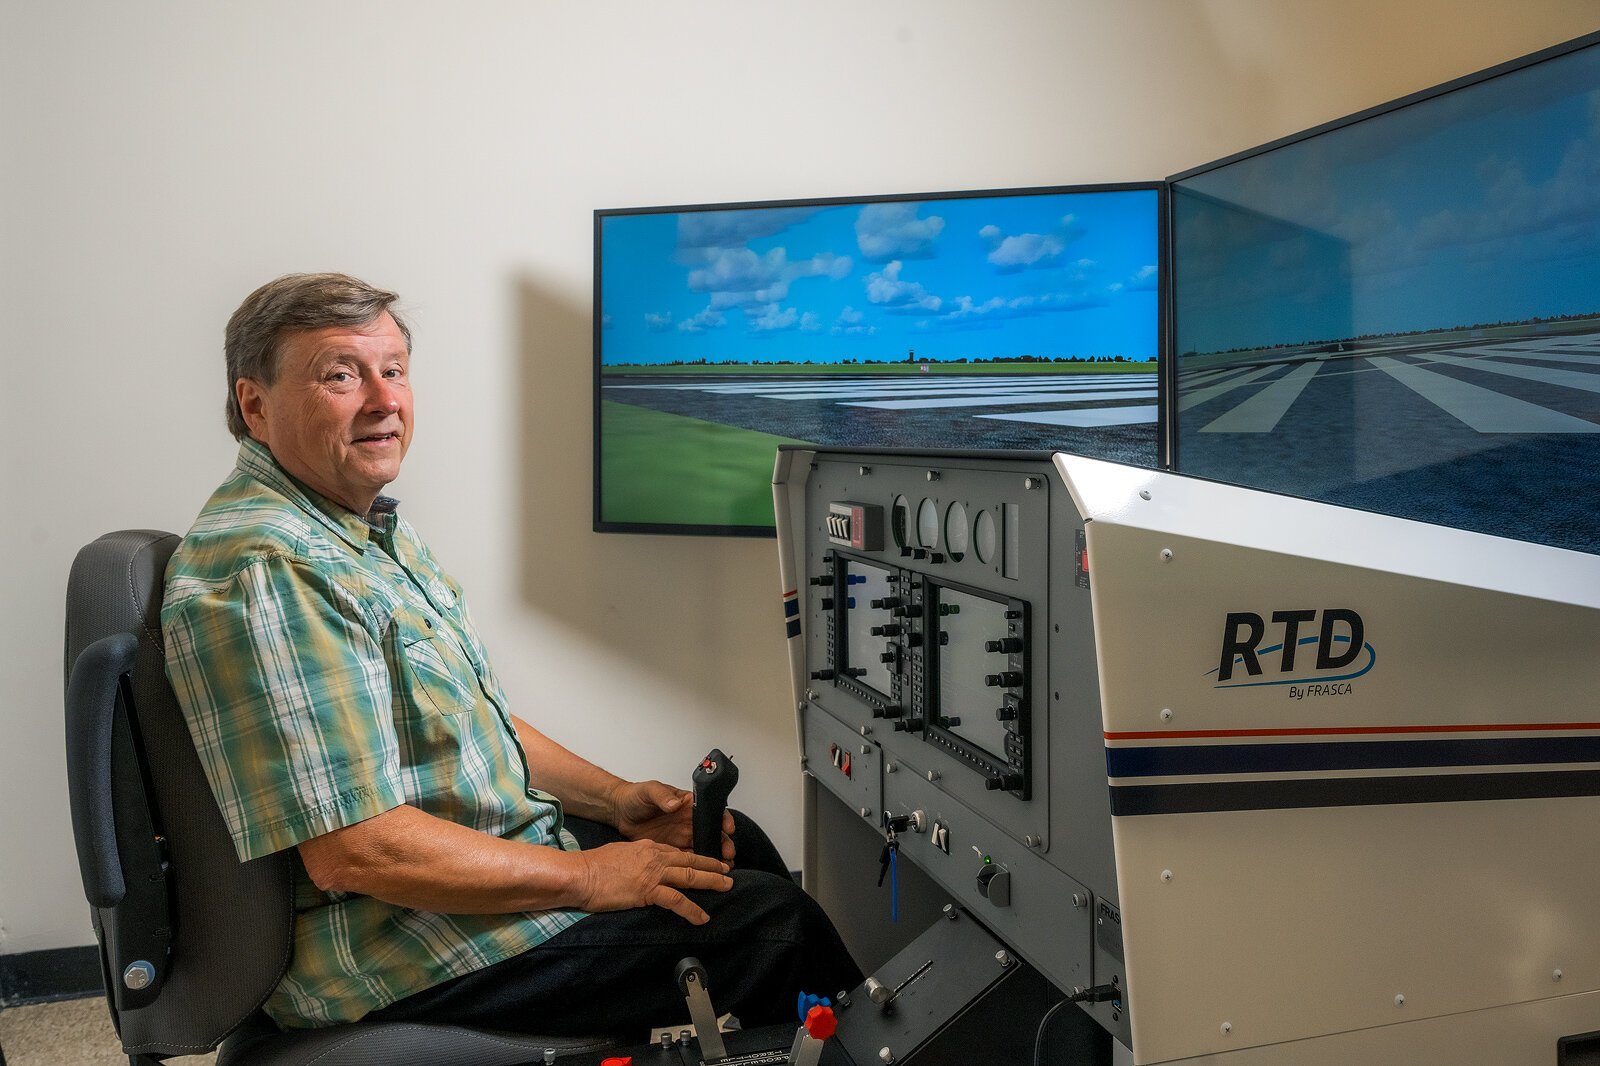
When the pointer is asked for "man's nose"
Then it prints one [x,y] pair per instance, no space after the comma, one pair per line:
[383,395]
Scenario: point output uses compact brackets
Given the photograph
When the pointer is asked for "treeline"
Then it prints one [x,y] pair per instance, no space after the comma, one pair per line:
[1335,344]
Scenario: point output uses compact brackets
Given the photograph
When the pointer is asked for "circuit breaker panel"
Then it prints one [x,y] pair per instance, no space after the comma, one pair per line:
[950,692]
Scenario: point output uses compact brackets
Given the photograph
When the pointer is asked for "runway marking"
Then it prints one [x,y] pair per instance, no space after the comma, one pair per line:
[1262,412]
[1483,409]
[1542,355]
[1568,379]
[1085,418]
[1211,392]
[995,400]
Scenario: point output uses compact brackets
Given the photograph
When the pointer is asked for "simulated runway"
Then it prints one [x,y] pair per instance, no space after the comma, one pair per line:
[1499,437]
[1112,416]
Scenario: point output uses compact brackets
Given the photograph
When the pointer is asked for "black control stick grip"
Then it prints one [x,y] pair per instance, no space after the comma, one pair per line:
[714,778]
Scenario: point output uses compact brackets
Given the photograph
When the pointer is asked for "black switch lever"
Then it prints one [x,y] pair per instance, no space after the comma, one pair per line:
[714,778]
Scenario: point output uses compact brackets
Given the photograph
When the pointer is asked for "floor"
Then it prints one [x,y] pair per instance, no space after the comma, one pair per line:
[73,1032]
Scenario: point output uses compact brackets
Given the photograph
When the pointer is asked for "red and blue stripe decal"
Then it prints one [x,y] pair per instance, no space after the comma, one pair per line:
[1352,766]
[791,612]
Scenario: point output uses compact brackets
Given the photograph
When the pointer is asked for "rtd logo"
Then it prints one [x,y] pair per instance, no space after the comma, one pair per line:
[1340,639]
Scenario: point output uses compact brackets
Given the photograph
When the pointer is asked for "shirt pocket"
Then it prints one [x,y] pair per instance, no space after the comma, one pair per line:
[439,676]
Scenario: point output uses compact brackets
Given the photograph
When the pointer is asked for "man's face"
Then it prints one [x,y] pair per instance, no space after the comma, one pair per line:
[338,417]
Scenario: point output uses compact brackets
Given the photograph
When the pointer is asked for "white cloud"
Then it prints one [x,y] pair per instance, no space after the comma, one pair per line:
[902,297]
[1025,251]
[1143,280]
[710,318]
[738,277]
[658,323]
[728,229]
[771,319]
[849,324]
[893,231]
[810,322]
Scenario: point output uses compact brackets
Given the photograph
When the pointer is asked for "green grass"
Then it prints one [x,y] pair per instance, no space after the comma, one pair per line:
[673,469]
[825,369]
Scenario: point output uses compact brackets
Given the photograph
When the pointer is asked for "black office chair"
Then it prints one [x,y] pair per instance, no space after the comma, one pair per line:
[191,939]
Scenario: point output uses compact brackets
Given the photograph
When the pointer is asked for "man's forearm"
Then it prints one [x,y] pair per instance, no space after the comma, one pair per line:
[582,787]
[412,859]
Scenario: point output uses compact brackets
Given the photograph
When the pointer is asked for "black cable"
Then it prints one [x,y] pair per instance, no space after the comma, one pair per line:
[1096,994]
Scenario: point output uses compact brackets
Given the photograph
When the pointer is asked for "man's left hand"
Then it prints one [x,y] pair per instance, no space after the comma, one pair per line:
[654,810]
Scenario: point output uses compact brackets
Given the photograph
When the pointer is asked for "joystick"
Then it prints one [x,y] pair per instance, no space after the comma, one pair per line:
[714,778]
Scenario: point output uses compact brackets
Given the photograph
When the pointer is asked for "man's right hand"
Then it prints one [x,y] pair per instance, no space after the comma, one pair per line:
[643,873]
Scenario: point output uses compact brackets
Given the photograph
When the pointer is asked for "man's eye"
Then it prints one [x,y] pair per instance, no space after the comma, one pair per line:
[339,376]
[394,372]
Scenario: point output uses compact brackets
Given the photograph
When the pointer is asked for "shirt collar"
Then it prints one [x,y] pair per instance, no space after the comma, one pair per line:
[257,461]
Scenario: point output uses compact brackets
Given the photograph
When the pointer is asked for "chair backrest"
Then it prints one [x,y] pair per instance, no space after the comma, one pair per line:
[230,924]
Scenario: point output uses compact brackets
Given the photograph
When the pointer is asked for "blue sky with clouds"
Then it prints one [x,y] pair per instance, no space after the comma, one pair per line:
[1056,274]
[1481,205]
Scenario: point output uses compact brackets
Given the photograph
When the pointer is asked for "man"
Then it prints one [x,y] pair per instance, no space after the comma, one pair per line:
[343,705]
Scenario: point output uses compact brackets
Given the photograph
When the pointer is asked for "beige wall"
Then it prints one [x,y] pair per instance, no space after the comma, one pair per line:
[157,161]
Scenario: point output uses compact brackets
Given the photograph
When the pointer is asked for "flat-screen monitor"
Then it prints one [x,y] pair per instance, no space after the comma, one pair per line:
[1400,311]
[1022,319]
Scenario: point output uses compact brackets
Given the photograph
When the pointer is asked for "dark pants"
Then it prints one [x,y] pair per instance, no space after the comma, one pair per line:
[766,942]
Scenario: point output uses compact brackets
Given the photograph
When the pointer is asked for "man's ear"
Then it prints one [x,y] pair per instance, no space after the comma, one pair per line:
[252,397]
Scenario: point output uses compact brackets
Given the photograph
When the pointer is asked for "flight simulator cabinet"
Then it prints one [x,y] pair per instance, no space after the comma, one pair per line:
[1259,780]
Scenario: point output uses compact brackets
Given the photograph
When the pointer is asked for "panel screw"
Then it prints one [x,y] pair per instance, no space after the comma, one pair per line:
[1003,957]
[1555,975]
[1080,900]
[933,775]
[933,475]
[950,911]
[1166,714]
[1400,1001]
[1030,841]
[890,767]
[866,730]
[1166,875]
[1166,555]
[866,749]
[1030,483]
[1144,494]
[1227,1027]
[866,812]
[864,470]
[811,694]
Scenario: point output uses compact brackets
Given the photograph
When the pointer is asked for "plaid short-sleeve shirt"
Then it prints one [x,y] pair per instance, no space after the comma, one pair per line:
[329,671]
